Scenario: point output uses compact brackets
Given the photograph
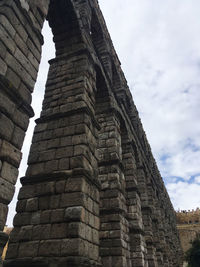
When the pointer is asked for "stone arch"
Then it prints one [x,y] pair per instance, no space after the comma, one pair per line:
[101,45]
[65,26]
[134,200]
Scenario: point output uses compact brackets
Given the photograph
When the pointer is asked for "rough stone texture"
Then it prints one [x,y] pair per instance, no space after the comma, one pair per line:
[92,195]
[20,49]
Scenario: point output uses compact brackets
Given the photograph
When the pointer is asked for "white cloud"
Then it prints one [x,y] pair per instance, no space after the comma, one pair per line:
[184,196]
[159,50]
[197,179]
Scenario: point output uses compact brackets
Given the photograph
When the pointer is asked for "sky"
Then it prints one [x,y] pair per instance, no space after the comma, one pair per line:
[158,44]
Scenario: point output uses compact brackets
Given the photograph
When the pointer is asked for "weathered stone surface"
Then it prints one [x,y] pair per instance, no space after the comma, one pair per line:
[188,225]
[9,172]
[92,195]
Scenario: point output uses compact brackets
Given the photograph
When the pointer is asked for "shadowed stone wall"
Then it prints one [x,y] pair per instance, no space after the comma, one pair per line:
[20,53]
[92,194]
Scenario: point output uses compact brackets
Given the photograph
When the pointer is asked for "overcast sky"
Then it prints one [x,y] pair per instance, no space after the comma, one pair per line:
[158,43]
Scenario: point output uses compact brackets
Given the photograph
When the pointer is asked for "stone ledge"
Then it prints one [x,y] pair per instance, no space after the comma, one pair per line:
[59,175]
[60,115]
[57,262]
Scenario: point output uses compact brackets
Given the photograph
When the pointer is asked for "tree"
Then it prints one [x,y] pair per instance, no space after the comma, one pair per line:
[192,256]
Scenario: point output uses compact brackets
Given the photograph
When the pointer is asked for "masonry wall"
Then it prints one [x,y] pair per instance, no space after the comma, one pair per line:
[20,52]
[92,194]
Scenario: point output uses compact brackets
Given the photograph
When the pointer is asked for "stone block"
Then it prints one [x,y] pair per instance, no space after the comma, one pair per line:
[3,215]
[34,49]
[14,78]
[33,60]
[21,119]
[53,143]
[35,169]
[60,187]
[9,173]
[21,205]
[75,214]
[74,184]
[72,199]
[41,232]
[14,235]
[54,202]
[7,191]
[7,25]
[18,137]
[28,249]
[79,162]
[119,261]
[7,39]
[19,70]
[63,164]
[25,233]
[6,104]
[32,204]
[51,165]
[35,217]
[73,247]
[76,230]
[45,216]
[46,188]
[95,236]
[58,231]
[21,219]
[26,192]
[12,251]
[57,216]
[6,127]
[44,155]
[14,14]
[2,50]
[3,67]
[44,203]
[64,152]
[50,248]
[25,63]
[11,152]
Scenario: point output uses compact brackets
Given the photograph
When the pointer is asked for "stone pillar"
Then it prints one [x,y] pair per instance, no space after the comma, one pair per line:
[20,47]
[114,228]
[57,219]
[160,226]
[147,209]
[134,215]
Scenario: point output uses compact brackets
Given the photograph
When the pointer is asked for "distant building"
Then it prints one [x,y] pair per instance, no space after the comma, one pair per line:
[188,225]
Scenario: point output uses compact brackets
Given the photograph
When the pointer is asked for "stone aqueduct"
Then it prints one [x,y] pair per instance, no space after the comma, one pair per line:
[92,194]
